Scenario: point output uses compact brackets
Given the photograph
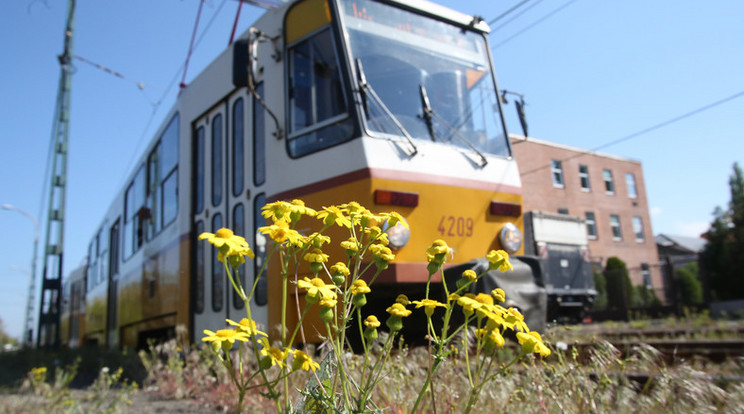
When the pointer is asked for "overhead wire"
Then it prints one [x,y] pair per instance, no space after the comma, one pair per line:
[140,85]
[516,16]
[645,130]
[172,83]
[506,13]
[533,24]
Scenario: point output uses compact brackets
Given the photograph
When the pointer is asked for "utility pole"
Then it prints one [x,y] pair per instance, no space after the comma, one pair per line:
[48,334]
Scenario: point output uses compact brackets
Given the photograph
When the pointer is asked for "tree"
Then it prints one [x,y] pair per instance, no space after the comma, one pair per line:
[600,283]
[689,285]
[619,287]
[723,255]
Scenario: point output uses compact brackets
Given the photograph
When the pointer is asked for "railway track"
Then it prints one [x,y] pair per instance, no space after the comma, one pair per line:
[672,351]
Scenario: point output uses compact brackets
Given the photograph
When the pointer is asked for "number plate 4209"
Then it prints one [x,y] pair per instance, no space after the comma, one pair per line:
[452,226]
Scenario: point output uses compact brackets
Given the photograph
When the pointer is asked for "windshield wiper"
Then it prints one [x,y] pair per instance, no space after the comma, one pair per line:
[366,89]
[430,114]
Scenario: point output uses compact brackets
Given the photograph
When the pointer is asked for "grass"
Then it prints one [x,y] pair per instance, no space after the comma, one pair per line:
[599,382]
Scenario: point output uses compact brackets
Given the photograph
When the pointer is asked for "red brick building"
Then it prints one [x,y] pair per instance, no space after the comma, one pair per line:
[605,190]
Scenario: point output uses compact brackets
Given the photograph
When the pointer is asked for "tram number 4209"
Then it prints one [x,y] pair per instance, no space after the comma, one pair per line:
[456,226]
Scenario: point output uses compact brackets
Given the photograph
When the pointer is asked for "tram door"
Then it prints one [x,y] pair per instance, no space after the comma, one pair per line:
[224,196]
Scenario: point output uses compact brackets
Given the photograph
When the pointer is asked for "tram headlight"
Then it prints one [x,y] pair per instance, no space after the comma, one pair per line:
[398,235]
[510,238]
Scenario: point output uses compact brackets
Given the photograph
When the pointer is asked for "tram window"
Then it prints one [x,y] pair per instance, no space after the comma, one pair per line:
[102,255]
[114,256]
[153,222]
[169,148]
[218,278]
[170,197]
[238,144]
[199,276]
[134,214]
[316,96]
[199,170]
[262,288]
[92,269]
[259,140]
[217,160]
[239,229]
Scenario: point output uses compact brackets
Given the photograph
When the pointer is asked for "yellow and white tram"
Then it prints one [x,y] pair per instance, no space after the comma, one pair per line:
[392,104]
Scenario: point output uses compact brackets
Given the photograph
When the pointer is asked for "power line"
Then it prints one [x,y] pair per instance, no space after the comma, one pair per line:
[516,16]
[165,93]
[649,129]
[504,14]
[535,23]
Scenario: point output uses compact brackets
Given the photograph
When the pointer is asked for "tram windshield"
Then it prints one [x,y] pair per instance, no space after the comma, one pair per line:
[429,77]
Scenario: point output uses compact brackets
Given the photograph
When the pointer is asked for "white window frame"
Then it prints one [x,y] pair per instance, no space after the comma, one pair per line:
[616,226]
[630,181]
[556,173]
[638,229]
[584,176]
[593,223]
[609,181]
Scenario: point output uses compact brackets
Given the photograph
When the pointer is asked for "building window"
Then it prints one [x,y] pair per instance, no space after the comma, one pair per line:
[562,211]
[638,229]
[630,181]
[591,225]
[646,275]
[609,183]
[556,169]
[584,178]
[617,234]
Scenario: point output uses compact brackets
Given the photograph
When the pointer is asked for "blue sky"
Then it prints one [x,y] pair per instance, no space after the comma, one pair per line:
[591,72]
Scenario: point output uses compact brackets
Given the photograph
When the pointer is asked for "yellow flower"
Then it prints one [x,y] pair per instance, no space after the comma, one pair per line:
[352,207]
[272,355]
[359,287]
[317,239]
[340,268]
[469,274]
[394,218]
[333,214]
[403,300]
[298,207]
[351,244]
[500,259]
[499,295]
[493,338]
[515,320]
[396,309]
[280,232]
[316,256]
[469,304]
[327,302]
[532,342]
[317,288]
[382,253]
[484,299]
[228,244]
[38,373]
[372,322]
[225,335]
[429,305]
[278,210]
[246,326]
[302,361]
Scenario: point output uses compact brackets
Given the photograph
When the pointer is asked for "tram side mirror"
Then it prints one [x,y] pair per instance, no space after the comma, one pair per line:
[241,62]
[522,117]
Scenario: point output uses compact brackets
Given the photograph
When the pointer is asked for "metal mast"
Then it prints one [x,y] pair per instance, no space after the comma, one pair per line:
[48,334]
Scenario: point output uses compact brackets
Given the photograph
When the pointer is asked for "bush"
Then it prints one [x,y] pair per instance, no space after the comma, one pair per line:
[689,285]
[600,283]
[619,288]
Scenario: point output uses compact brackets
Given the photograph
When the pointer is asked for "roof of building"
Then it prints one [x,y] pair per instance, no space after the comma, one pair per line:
[516,137]
[691,244]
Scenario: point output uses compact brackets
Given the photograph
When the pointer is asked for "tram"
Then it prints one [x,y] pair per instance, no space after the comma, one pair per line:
[390,103]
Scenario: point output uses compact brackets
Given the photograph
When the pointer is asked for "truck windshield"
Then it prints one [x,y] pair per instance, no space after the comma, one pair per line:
[402,53]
